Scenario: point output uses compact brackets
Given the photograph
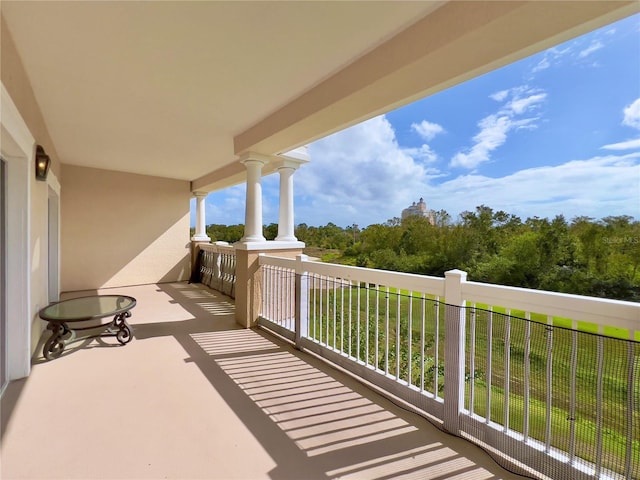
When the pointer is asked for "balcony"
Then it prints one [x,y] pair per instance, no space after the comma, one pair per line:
[196,396]
[217,94]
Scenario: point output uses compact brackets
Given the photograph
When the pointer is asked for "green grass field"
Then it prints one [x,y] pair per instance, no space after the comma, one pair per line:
[573,360]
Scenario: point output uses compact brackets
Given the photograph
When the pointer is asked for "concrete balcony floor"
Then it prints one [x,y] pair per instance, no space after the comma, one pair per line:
[194,396]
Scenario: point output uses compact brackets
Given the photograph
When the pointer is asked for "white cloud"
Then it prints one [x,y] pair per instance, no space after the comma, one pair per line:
[632,115]
[359,175]
[521,105]
[499,96]
[542,65]
[596,187]
[493,133]
[494,128]
[574,52]
[424,153]
[631,118]
[593,47]
[427,130]
[627,145]
[525,124]
[551,57]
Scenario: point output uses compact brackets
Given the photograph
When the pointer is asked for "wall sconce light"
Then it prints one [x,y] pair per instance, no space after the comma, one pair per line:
[43,162]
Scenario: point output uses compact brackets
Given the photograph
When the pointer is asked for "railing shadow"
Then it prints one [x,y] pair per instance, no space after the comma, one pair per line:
[314,421]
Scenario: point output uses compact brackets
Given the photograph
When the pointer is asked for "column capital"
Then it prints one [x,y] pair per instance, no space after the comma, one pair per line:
[288,163]
[301,154]
[200,194]
[293,159]
[253,158]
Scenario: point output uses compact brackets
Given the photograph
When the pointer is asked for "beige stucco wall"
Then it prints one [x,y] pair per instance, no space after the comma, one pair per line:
[18,86]
[249,280]
[122,229]
[15,80]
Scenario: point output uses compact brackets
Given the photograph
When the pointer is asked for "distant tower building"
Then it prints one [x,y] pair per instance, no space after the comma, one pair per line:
[419,209]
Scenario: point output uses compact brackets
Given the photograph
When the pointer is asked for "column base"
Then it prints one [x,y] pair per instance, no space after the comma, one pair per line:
[253,238]
[269,245]
[287,238]
[200,238]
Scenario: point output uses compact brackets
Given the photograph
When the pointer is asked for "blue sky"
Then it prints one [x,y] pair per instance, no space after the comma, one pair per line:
[555,133]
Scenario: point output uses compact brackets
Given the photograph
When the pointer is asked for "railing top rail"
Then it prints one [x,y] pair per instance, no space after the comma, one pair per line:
[403,281]
[274,261]
[600,311]
[218,247]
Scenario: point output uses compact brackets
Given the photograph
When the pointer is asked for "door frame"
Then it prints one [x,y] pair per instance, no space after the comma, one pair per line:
[18,150]
[53,233]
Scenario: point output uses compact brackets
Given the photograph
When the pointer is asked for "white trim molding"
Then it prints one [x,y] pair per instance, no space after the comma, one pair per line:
[18,150]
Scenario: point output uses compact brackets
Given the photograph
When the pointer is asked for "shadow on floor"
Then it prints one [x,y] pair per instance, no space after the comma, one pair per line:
[314,421]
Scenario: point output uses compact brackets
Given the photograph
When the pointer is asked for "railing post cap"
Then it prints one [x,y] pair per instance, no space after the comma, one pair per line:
[300,259]
[456,273]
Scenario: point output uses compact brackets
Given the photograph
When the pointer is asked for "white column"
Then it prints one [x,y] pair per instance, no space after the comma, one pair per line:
[285,220]
[291,161]
[253,209]
[201,228]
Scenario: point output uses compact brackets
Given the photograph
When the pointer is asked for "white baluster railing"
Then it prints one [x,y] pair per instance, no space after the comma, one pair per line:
[544,380]
[218,267]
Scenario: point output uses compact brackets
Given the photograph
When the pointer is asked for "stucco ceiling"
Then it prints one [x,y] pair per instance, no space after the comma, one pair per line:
[162,88]
[180,89]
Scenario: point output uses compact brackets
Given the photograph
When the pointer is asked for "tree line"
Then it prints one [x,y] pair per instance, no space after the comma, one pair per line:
[583,256]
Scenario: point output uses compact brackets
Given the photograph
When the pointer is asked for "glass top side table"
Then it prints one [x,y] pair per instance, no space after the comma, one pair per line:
[76,310]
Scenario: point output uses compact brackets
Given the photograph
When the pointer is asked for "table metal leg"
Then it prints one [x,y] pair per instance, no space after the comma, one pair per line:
[124,330]
[54,346]
[61,333]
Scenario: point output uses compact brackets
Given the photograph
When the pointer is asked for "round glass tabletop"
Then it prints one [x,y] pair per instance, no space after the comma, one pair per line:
[86,308]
